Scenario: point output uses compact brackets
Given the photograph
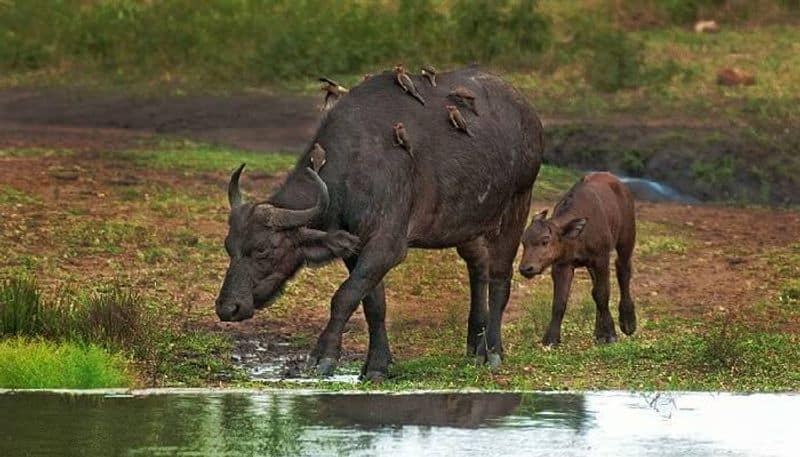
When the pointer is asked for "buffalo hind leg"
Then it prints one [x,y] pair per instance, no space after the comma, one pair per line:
[627,310]
[604,331]
[377,257]
[502,250]
[476,256]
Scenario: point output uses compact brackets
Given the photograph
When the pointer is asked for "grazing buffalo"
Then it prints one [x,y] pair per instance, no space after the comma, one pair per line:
[593,218]
[372,200]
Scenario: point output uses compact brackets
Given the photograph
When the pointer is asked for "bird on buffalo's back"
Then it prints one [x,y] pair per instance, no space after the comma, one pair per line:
[401,137]
[318,157]
[333,91]
[405,82]
[464,96]
[429,72]
[457,119]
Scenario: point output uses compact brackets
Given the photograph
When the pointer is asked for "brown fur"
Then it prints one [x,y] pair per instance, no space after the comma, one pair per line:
[593,218]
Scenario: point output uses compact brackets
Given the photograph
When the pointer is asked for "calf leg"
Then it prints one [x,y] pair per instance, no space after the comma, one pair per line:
[476,255]
[627,311]
[562,282]
[378,256]
[604,324]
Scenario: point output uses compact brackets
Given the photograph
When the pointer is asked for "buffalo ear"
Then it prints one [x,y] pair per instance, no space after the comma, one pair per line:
[540,216]
[319,247]
[573,228]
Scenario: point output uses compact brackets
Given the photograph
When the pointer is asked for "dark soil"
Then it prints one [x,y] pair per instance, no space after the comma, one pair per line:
[252,121]
[707,159]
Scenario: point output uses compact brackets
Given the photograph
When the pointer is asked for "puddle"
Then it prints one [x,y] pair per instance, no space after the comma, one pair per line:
[271,362]
[219,423]
[653,191]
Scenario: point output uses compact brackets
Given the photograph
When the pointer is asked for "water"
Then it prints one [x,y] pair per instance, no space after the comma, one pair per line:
[652,191]
[430,424]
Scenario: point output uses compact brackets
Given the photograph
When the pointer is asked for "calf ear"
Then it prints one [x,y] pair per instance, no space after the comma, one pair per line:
[573,228]
[320,247]
[540,216]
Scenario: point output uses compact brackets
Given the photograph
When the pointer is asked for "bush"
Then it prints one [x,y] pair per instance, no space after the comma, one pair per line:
[114,318]
[264,40]
[20,307]
[615,58]
[29,364]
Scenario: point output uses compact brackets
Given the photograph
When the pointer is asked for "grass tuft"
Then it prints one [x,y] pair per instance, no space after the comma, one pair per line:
[35,364]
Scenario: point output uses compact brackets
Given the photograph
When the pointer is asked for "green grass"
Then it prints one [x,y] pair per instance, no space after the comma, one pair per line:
[12,196]
[553,182]
[34,364]
[188,156]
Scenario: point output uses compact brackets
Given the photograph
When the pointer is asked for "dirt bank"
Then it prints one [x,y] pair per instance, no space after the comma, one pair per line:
[708,159]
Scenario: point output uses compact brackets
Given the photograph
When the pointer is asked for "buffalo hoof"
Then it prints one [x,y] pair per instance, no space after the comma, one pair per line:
[607,339]
[375,377]
[627,323]
[325,366]
[471,350]
[494,361]
[551,341]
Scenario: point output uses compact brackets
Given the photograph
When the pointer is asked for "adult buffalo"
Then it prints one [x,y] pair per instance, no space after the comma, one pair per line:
[373,200]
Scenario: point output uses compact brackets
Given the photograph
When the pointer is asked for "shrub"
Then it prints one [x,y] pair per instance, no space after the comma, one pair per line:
[264,40]
[615,59]
[41,364]
[20,307]
[113,318]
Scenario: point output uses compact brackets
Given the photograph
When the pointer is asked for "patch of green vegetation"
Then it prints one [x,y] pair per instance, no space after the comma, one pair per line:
[174,203]
[188,156]
[714,173]
[117,320]
[12,196]
[661,244]
[553,182]
[285,39]
[35,364]
[790,293]
[20,307]
[107,237]
[192,358]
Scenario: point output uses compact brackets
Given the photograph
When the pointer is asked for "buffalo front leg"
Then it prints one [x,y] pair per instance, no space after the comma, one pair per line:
[604,331]
[379,355]
[377,257]
[562,282]
[476,255]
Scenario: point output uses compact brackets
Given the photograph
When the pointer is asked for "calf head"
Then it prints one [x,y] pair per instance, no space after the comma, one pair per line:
[546,241]
[267,245]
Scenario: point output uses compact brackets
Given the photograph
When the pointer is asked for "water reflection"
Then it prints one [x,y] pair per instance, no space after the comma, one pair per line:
[272,424]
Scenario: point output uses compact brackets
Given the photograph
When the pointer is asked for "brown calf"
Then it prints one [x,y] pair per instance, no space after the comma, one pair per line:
[594,217]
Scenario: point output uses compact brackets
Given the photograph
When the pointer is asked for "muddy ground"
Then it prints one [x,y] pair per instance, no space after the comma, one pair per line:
[692,261]
[708,159]
[726,258]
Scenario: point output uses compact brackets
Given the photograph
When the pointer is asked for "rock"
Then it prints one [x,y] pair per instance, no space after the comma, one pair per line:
[706,27]
[735,77]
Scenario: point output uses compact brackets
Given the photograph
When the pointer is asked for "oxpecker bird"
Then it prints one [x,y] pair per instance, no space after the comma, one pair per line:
[429,72]
[465,96]
[318,157]
[406,83]
[401,138]
[457,119]
[333,91]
